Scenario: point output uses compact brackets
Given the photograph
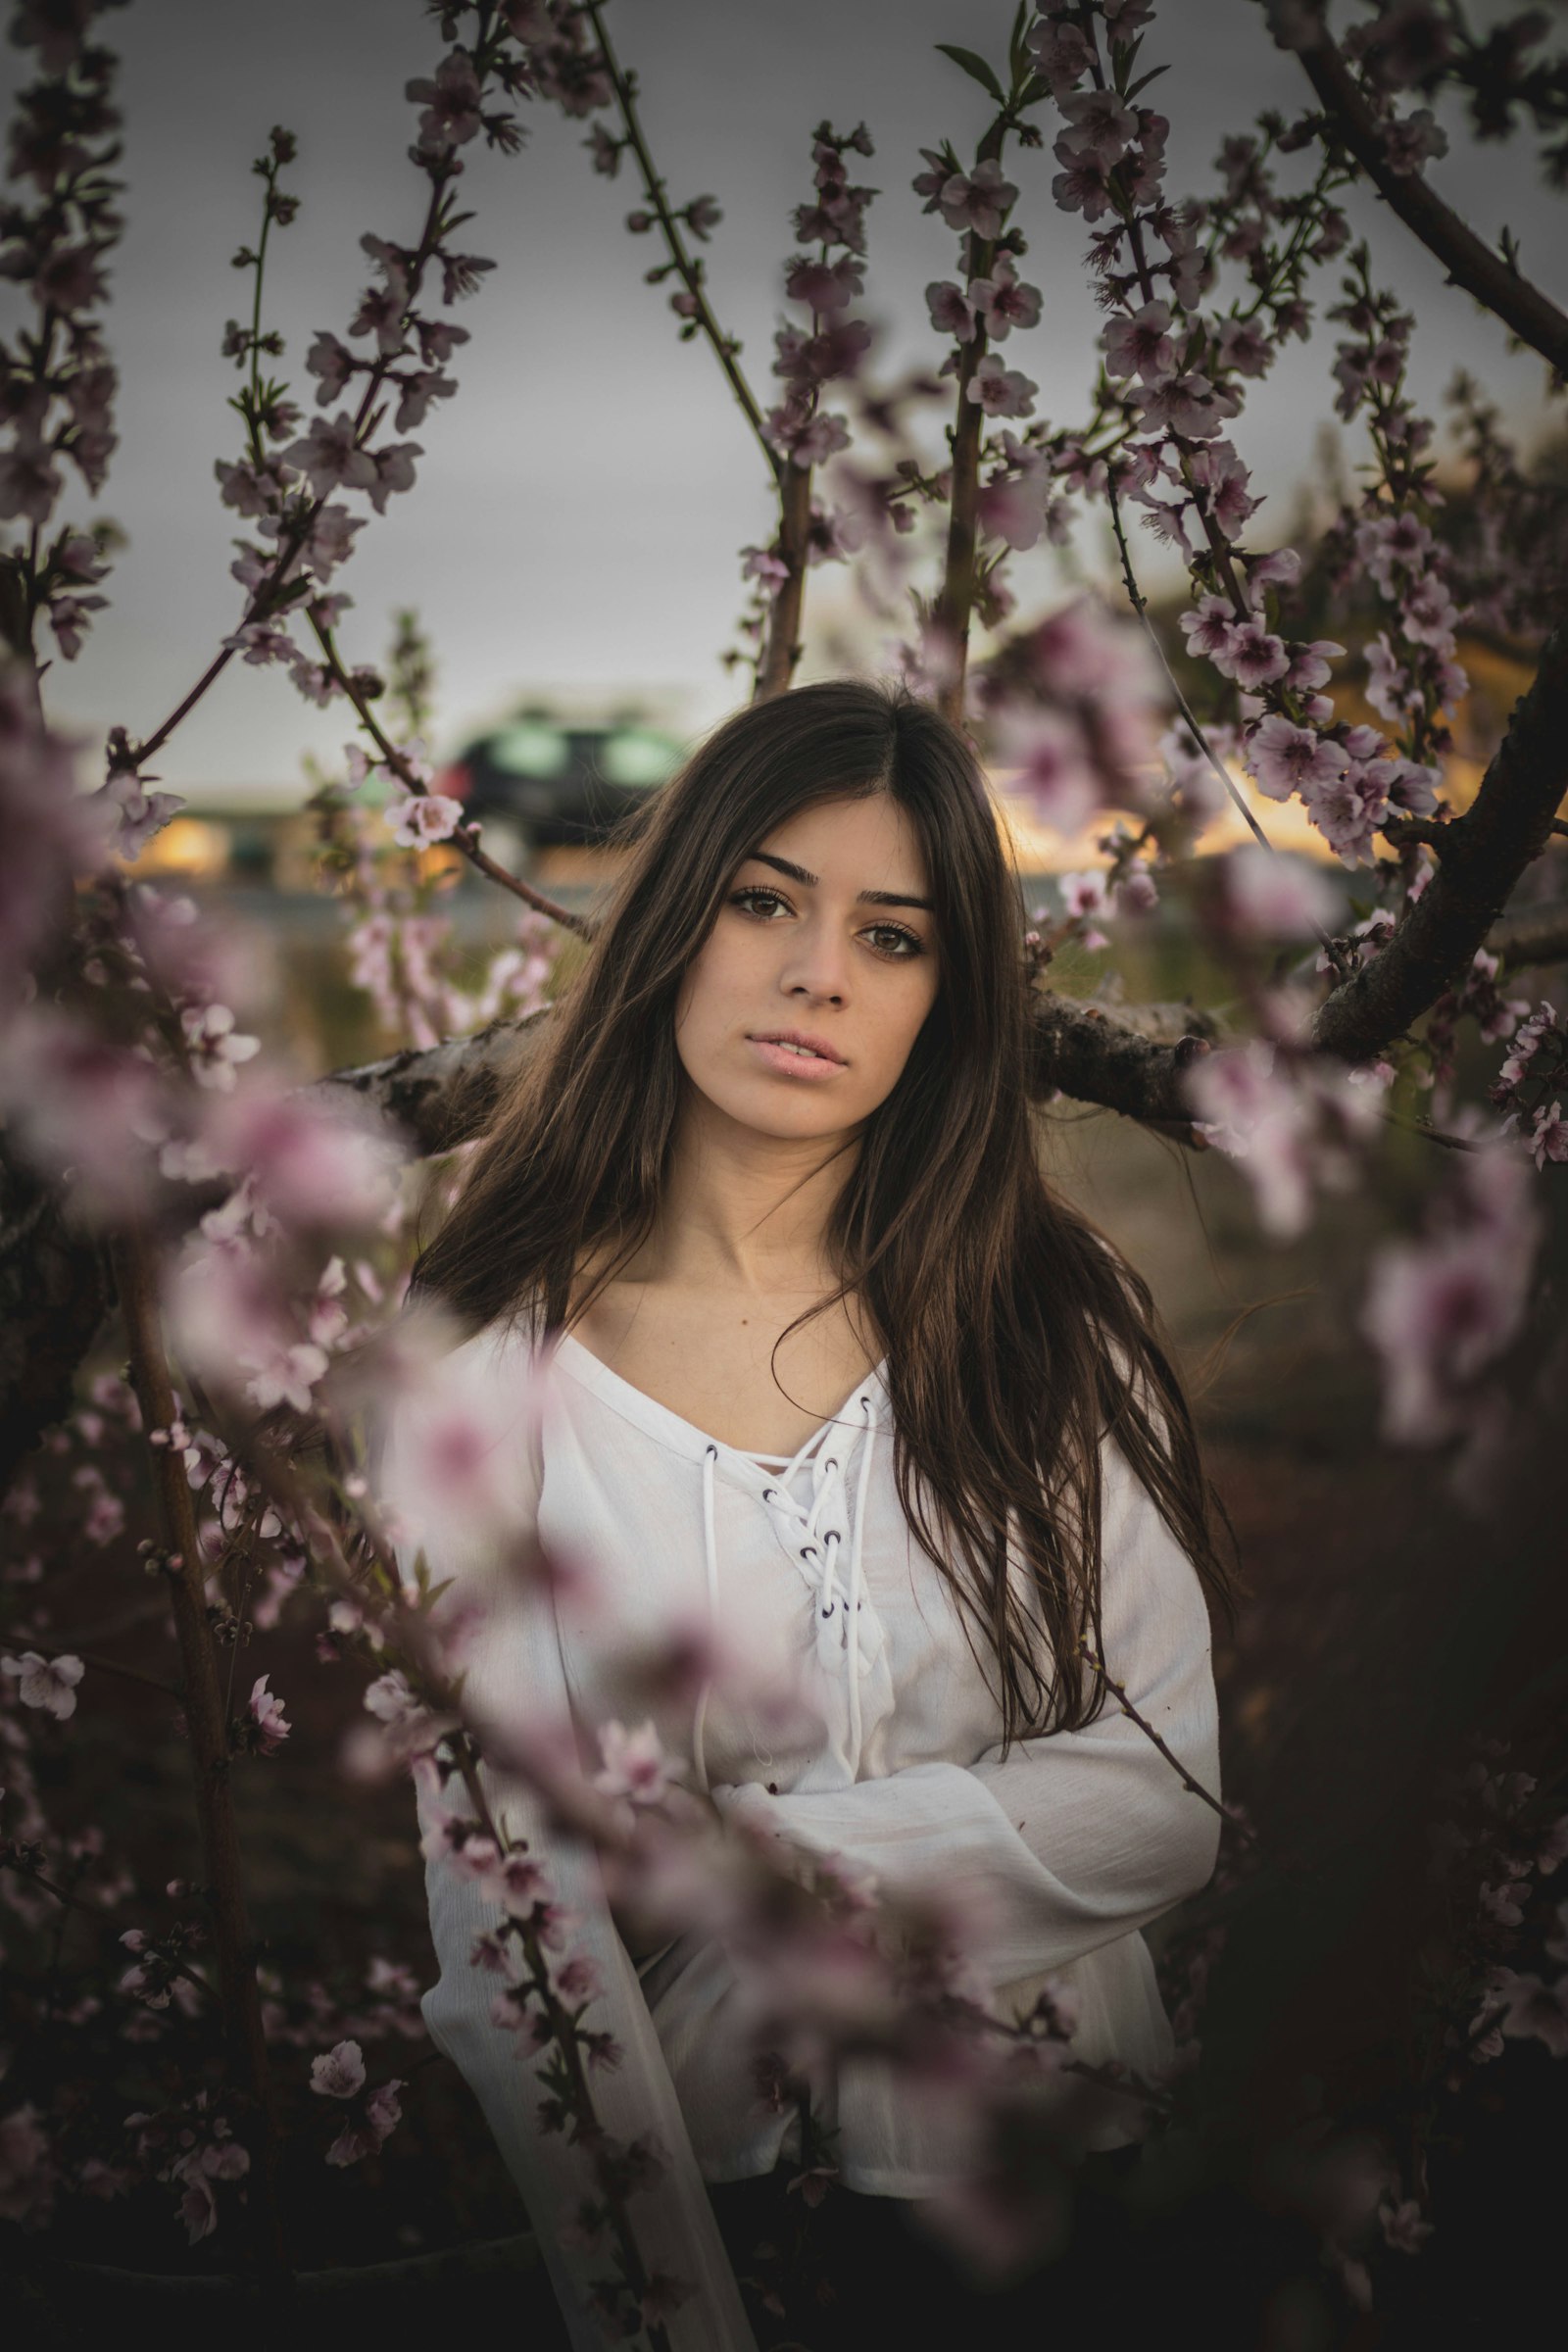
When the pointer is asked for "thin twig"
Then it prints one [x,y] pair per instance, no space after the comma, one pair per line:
[690,271]
[465,837]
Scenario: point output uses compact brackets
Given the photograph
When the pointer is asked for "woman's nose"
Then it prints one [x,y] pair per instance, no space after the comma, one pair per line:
[818,964]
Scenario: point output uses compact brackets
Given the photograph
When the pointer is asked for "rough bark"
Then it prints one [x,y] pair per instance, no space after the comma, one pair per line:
[1467,259]
[1482,855]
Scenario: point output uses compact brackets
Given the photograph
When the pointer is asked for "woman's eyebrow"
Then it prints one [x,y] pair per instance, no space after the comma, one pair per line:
[869,897]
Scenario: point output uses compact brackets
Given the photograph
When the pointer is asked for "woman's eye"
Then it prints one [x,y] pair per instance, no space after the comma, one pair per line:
[907,943]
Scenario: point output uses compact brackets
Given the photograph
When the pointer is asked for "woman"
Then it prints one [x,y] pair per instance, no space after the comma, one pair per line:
[829,1363]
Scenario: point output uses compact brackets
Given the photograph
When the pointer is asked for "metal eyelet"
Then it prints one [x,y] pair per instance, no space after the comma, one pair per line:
[808,1552]
[831,1607]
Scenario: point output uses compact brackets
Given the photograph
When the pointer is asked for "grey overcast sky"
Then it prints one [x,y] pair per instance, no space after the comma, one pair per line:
[581,501]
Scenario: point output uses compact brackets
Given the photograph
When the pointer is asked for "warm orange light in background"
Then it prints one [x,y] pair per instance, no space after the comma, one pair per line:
[187,845]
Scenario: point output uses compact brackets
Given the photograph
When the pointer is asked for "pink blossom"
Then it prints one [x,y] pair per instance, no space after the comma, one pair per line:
[951,310]
[1550,1140]
[1207,627]
[979,200]
[1189,405]
[1141,344]
[72,1099]
[452,102]
[1430,614]
[1062,52]
[1002,300]
[1002,391]
[213,1047]
[340,2073]
[329,457]
[1286,758]
[267,1713]
[1082,187]
[1272,897]
[1389,688]
[1537,2012]
[1404,2227]
[421,819]
[1282,569]
[1413,140]
[1102,125]
[48,1684]
[1218,470]
[1441,1308]
[1253,657]
[1050,763]
[1243,346]
[332,364]
[1348,808]
[1310,665]
[635,1764]
[365,2134]
[824,286]
[1083,895]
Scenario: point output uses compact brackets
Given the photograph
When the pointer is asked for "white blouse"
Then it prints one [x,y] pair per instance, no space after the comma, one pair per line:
[890,1759]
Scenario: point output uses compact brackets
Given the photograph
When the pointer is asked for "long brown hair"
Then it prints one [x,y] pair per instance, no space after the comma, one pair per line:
[1016,1335]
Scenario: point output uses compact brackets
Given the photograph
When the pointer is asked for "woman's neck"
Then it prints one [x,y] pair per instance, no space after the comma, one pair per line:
[744,1212]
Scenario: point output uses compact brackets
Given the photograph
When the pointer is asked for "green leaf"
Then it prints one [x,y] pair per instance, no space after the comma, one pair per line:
[1017,54]
[1143,80]
[976,69]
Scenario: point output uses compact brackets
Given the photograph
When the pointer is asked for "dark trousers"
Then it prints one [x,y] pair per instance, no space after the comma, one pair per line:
[858,2271]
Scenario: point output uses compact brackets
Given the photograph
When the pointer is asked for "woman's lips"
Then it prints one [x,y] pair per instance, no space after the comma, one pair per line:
[791,1064]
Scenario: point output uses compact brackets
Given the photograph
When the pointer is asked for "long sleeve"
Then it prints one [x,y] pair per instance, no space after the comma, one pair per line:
[1079,1838]
[516,1672]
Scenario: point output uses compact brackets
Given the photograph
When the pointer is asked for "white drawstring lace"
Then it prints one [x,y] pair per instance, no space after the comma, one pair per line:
[820,1546]
[710,1554]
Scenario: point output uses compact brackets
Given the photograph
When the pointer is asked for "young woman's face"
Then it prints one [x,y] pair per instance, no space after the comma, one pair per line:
[824,934]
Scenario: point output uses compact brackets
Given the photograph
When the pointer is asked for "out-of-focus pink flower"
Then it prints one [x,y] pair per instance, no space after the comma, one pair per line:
[339,2073]
[1534,2010]
[1271,897]
[48,1684]
[266,1709]
[76,1102]
[1083,896]
[1050,763]
[1441,1308]
[635,1764]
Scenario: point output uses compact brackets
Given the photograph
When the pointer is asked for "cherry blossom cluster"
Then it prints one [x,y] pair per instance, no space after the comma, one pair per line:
[1535,1068]
[374,2114]
[1181,376]
[57,382]
[1491,1851]
[294,486]
[1407,45]
[1413,679]
[1506,531]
